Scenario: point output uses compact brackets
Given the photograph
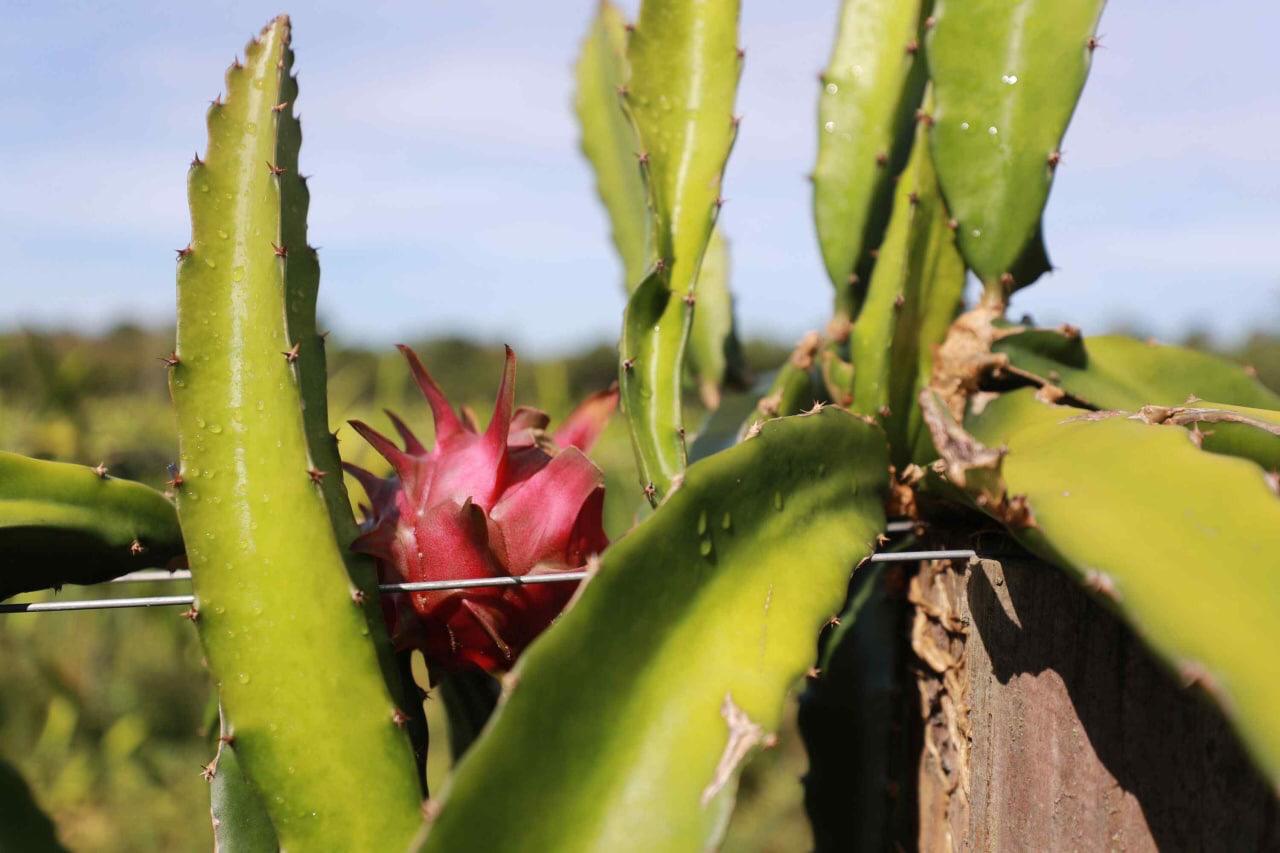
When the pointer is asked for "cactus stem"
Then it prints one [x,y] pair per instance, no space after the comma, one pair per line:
[291,355]
[274,169]
[184,252]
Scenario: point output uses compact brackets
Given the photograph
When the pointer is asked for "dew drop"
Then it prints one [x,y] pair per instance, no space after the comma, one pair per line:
[204,188]
[222,234]
[977,232]
[200,422]
[702,522]
[1009,79]
[216,429]
[237,274]
[832,88]
[704,547]
[210,262]
[829,127]
[964,125]
[726,522]
[992,130]
[250,127]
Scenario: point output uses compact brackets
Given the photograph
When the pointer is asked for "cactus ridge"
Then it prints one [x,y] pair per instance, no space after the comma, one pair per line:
[612,707]
[684,67]
[63,523]
[273,595]
[1006,77]
[871,88]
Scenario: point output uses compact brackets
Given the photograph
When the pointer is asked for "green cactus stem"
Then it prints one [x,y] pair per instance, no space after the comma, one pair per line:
[671,668]
[915,292]
[871,89]
[684,64]
[1006,77]
[285,636]
[240,820]
[1184,544]
[610,144]
[63,523]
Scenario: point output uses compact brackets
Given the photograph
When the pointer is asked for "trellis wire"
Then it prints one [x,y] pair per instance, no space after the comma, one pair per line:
[161,575]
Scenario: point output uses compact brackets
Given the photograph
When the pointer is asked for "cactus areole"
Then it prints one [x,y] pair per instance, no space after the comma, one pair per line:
[511,501]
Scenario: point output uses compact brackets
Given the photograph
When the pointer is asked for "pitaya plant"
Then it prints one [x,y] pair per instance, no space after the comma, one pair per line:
[631,702]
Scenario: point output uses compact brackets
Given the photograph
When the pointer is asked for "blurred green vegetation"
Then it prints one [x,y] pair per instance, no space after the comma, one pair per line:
[103,712]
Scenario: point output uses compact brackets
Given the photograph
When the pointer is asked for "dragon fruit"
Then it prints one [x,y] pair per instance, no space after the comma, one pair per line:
[511,501]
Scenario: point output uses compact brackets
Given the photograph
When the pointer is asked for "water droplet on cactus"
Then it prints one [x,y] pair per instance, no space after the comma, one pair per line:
[832,88]
[237,274]
[977,232]
[702,522]
[829,127]
[993,130]
[1009,79]
[777,500]
[964,125]
[726,522]
[251,127]
[704,547]
[216,429]
[204,188]
[243,678]
[222,234]
[210,262]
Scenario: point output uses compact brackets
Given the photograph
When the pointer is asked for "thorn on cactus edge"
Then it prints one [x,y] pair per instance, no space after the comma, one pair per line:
[649,490]
[400,718]
[184,252]
[357,595]
[175,478]
[195,159]
[813,673]
[742,54]
[1055,157]
[1006,280]
[737,121]
[236,65]
[690,299]
[623,91]
[190,613]
[101,470]
[898,302]
[208,771]
[280,251]
[953,223]
[924,118]
[274,169]
[913,197]
[136,547]
[854,278]
[171,360]
[643,157]
[913,47]
[884,412]
[291,354]
[929,22]
[317,476]
[874,253]
[279,108]
[882,159]
[628,364]
[1094,43]
[660,264]
[217,101]
[834,621]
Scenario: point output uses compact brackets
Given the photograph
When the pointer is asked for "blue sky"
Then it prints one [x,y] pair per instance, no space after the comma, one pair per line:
[449,195]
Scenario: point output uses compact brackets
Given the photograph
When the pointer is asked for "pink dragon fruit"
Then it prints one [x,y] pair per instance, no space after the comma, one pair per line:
[511,501]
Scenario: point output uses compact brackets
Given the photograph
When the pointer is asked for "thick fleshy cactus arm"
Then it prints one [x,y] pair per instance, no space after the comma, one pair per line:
[610,144]
[240,820]
[1006,77]
[871,89]
[23,825]
[671,668]
[915,292]
[684,62]
[1185,544]
[62,523]
[313,724]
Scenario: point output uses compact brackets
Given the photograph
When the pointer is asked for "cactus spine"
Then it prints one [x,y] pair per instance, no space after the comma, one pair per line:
[298,677]
[684,63]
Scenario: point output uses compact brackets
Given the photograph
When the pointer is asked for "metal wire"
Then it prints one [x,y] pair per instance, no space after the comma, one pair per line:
[161,575]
